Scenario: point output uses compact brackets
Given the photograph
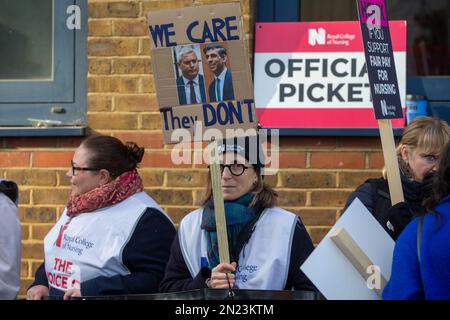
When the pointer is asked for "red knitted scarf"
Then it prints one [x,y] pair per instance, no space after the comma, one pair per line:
[124,186]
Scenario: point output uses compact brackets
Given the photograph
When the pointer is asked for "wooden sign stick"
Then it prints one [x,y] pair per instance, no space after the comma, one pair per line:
[219,209]
[390,161]
[356,256]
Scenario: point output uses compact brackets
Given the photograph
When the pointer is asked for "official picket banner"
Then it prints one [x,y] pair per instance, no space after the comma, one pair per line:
[190,48]
[314,74]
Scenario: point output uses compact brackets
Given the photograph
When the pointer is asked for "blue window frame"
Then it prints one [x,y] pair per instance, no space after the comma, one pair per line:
[278,11]
[36,102]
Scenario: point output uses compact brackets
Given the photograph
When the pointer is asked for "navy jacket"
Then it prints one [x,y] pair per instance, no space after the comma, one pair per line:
[228,91]
[377,200]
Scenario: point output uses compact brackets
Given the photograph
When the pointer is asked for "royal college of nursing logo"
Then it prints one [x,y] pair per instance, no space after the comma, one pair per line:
[319,36]
[384,110]
[58,240]
[316,36]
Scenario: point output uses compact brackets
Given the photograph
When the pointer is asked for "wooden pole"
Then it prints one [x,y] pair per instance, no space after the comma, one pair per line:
[219,209]
[356,256]
[391,161]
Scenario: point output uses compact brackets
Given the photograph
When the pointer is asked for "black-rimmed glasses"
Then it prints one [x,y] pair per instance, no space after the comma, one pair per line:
[236,169]
[74,169]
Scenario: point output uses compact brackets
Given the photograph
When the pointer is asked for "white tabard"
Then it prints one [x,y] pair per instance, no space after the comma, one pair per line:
[263,262]
[90,244]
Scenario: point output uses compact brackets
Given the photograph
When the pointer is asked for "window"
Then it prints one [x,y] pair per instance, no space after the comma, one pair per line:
[43,69]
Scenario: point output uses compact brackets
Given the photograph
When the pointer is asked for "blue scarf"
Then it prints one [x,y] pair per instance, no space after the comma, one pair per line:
[237,215]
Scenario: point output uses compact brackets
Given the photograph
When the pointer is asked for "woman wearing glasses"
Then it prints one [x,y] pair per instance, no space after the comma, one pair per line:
[267,244]
[112,238]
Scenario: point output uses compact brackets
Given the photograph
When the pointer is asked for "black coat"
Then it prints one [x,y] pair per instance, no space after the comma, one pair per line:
[374,194]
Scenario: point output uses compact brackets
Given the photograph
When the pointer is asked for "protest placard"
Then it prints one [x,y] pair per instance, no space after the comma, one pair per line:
[203,83]
[380,59]
[335,274]
[384,87]
[201,70]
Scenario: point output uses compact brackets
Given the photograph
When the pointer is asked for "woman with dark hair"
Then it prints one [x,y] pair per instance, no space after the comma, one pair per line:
[267,244]
[420,267]
[112,238]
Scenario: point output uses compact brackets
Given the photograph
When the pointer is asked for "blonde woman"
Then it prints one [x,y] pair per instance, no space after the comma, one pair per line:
[418,152]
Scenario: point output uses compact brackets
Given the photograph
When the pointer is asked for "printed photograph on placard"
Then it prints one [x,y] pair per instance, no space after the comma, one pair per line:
[218,73]
[189,76]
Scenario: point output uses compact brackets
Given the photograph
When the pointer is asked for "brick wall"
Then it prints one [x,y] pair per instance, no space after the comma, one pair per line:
[316,173]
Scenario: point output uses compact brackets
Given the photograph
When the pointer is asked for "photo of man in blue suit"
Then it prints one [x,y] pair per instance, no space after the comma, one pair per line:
[190,84]
[221,88]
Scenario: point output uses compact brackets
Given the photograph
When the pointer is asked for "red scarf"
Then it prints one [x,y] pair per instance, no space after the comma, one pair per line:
[124,186]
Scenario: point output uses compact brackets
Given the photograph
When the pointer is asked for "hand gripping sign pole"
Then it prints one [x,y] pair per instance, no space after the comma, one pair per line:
[219,210]
[383,84]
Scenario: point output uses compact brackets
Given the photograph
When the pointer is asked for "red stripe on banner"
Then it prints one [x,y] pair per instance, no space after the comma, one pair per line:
[321,118]
[293,36]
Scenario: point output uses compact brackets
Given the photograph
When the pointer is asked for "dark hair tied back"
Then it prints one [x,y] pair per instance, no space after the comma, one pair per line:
[106,152]
[135,152]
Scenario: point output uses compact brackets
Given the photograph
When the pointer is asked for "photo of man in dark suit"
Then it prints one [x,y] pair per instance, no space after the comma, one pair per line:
[221,88]
[190,84]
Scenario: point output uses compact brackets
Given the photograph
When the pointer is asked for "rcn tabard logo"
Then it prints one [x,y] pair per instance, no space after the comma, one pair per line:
[320,36]
[316,36]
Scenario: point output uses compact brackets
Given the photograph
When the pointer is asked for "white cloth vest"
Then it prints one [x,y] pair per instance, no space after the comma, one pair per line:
[263,262]
[91,244]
